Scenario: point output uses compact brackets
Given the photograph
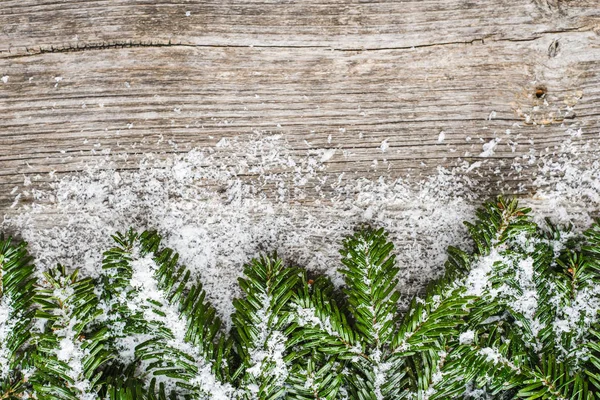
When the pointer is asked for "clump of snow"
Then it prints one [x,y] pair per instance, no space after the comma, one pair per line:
[268,347]
[380,373]
[327,154]
[466,337]
[578,316]
[308,316]
[524,301]
[384,145]
[493,355]
[478,281]
[8,320]
[70,349]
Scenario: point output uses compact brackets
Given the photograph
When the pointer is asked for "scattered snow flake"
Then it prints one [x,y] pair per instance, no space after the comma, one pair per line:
[16,201]
[5,79]
[384,146]
[488,148]
[327,155]
[576,133]
[441,137]
[473,166]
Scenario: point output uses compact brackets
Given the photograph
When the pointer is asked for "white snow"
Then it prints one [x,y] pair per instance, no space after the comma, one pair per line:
[327,154]
[489,147]
[308,316]
[70,349]
[493,355]
[218,218]
[268,347]
[477,282]
[7,323]
[384,145]
[466,337]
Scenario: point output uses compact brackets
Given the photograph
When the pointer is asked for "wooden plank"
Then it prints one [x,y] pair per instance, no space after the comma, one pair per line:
[83,77]
[31,26]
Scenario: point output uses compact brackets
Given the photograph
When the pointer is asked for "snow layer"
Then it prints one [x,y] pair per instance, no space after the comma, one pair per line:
[221,206]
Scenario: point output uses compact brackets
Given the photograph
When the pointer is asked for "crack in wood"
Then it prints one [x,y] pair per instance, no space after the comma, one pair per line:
[132,44]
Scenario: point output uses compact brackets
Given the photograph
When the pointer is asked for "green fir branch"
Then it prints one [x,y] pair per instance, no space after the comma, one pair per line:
[153,298]
[260,320]
[17,311]
[516,317]
[70,350]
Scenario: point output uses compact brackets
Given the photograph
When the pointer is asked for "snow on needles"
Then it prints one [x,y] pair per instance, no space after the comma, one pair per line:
[7,323]
[146,292]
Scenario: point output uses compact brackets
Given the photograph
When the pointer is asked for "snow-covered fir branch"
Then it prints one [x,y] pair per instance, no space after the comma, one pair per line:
[515,316]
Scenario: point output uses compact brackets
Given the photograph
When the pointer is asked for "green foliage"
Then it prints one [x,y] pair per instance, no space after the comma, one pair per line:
[164,309]
[16,316]
[69,351]
[515,317]
[533,329]
[259,320]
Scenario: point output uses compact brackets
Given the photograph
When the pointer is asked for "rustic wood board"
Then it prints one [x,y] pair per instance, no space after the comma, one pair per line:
[80,77]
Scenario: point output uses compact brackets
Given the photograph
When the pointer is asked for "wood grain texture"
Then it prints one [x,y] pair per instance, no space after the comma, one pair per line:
[83,77]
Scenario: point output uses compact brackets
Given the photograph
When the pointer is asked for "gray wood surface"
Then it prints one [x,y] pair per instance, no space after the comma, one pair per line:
[80,77]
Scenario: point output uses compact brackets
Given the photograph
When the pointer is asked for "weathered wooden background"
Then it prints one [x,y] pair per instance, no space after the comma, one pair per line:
[82,76]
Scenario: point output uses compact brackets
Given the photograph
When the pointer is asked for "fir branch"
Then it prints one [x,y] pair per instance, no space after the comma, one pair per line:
[533,299]
[424,371]
[490,278]
[485,359]
[428,320]
[316,380]
[371,279]
[319,322]
[16,316]
[321,331]
[370,284]
[260,320]
[70,352]
[498,222]
[177,332]
[515,318]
